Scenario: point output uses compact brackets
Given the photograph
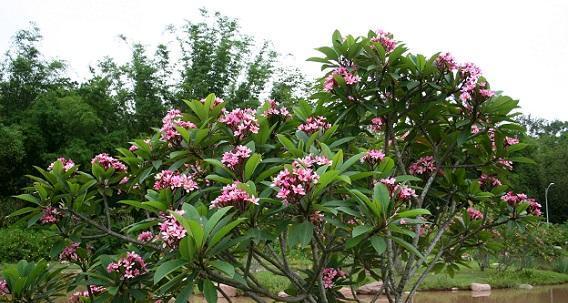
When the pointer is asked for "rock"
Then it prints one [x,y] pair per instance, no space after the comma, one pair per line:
[346,292]
[228,290]
[483,293]
[525,286]
[370,289]
[479,287]
[283,294]
[454,289]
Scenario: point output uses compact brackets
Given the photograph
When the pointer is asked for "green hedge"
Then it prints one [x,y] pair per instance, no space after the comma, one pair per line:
[17,243]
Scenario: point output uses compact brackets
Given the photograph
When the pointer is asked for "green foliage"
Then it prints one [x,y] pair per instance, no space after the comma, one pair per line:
[18,242]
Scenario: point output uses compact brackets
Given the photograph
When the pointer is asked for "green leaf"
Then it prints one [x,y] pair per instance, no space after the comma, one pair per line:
[224,267]
[209,291]
[21,211]
[138,204]
[407,246]
[224,231]
[185,293]
[251,165]
[361,229]
[522,160]
[28,198]
[379,244]
[212,222]
[413,213]
[300,233]
[381,196]
[167,268]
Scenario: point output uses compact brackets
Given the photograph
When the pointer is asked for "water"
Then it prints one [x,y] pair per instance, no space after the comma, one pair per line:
[539,294]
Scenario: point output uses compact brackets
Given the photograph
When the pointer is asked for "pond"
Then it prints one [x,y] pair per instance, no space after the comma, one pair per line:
[540,294]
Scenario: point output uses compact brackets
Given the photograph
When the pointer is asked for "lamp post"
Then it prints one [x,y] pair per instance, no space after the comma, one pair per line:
[546,201]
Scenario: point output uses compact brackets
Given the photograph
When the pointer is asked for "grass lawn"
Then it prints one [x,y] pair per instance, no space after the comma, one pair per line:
[461,279]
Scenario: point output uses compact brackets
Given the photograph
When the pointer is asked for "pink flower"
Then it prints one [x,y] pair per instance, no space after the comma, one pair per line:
[69,253]
[310,160]
[236,157]
[511,141]
[349,78]
[330,275]
[385,39]
[423,165]
[470,73]
[316,217]
[486,93]
[50,215]
[489,180]
[275,110]
[173,180]
[376,124]
[107,162]
[404,192]
[145,236]
[313,125]
[534,207]
[4,290]
[231,195]
[241,121]
[296,183]
[169,132]
[67,164]
[446,61]
[130,266]
[474,129]
[474,214]
[373,157]
[133,148]
[505,163]
[78,295]
[171,231]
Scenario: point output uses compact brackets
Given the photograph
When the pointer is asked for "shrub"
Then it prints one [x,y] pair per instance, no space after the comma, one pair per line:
[393,167]
[17,243]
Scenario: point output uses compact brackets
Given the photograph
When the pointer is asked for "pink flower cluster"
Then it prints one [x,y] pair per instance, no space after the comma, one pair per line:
[330,275]
[69,253]
[317,217]
[130,266]
[471,74]
[376,124]
[373,157]
[78,295]
[236,156]
[296,183]
[505,163]
[475,129]
[50,215]
[170,121]
[274,110]
[423,165]
[474,214]
[240,121]
[231,195]
[513,199]
[133,148]
[489,180]
[67,164]
[310,160]
[107,162]
[314,124]
[446,61]
[349,78]
[4,290]
[170,179]
[145,236]
[511,141]
[402,192]
[385,39]
[171,231]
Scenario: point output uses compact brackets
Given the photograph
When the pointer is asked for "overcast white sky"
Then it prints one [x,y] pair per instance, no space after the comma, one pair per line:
[521,46]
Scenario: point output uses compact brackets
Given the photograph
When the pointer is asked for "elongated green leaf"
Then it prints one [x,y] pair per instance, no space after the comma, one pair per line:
[300,233]
[28,198]
[413,213]
[224,267]
[212,222]
[361,229]
[167,268]
[185,292]
[379,244]
[251,165]
[139,204]
[407,246]
[224,231]
[209,291]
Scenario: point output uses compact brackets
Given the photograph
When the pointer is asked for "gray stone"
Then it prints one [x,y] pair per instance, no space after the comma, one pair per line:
[283,294]
[525,286]
[228,290]
[454,289]
[346,292]
[479,287]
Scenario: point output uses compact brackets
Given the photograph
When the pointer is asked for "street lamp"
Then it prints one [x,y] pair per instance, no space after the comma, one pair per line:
[546,200]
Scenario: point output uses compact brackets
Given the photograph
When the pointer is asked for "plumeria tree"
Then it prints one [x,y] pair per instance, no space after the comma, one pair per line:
[395,169]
